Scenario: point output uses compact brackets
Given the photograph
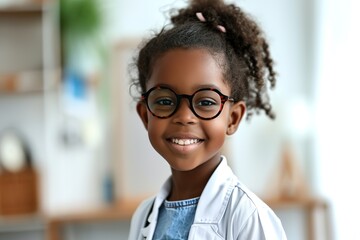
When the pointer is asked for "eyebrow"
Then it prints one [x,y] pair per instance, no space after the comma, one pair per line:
[212,86]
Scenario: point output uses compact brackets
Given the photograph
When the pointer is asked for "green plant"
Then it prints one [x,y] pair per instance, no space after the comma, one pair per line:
[80,18]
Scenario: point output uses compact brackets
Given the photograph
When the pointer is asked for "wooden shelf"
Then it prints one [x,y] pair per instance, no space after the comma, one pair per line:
[22,10]
[293,203]
[28,82]
[122,210]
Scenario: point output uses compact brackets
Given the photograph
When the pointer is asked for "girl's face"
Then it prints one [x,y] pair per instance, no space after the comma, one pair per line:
[184,140]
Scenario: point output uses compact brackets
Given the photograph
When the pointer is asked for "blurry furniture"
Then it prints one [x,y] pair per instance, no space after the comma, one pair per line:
[313,208]
[28,54]
[123,210]
[28,71]
[18,192]
[290,191]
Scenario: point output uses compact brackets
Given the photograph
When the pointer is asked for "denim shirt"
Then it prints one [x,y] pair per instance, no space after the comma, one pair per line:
[175,219]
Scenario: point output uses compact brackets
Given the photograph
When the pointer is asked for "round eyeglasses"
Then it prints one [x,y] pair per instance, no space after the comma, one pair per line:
[205,103]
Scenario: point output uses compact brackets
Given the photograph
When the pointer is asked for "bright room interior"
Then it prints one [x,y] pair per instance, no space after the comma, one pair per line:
[64,95]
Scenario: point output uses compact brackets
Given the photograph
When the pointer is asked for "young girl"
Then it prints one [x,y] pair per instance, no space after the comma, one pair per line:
[197,80]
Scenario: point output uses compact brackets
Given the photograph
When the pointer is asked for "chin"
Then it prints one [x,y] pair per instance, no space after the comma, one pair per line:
[183,167]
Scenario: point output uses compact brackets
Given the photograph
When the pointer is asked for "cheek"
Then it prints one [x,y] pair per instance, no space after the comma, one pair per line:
[216,130]
[155,130]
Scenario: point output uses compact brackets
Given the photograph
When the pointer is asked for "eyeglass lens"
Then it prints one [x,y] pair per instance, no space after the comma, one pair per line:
[163,102]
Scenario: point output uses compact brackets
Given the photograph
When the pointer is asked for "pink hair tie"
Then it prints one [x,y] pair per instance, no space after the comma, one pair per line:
[201,17]
[221,28]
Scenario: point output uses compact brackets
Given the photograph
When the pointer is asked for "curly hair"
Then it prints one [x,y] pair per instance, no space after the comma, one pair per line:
[242,51]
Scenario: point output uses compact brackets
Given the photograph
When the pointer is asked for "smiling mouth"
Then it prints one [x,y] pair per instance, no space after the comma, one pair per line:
[185,142]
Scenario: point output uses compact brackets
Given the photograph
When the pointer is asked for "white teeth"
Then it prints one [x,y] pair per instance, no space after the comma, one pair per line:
[184,142]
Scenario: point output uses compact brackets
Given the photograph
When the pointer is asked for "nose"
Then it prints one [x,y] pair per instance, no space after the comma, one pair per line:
[184,115]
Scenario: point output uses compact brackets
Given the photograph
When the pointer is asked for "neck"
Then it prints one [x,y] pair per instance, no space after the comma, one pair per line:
[190,184]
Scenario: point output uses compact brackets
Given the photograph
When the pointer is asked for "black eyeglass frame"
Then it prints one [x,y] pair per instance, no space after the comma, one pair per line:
[224,98]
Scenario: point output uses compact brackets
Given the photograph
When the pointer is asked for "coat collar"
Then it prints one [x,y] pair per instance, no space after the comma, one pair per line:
[212,203]
[216,194]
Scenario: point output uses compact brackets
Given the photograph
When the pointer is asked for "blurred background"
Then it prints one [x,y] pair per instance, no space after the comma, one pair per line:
[74,157]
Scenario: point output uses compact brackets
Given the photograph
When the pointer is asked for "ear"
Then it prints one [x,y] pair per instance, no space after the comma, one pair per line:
[237,112]
[142,112]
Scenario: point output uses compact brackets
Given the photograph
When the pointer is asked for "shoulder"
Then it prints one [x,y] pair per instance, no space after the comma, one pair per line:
[142,211]
[250,216]
[139,218]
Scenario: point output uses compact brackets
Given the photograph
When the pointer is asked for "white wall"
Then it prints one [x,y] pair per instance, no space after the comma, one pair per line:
[337,117]
[258,143]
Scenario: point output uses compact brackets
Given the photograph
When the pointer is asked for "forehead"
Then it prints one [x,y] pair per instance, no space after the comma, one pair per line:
[187,70]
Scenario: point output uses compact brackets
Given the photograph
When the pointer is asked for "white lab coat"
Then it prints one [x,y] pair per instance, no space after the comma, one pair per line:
[226,210]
